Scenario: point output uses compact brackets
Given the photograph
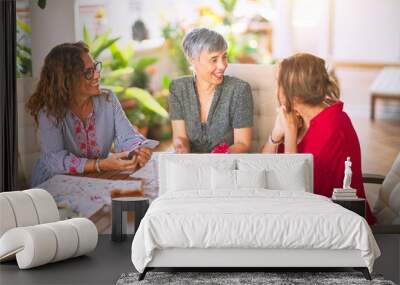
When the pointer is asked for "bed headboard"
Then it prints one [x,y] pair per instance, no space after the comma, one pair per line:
[299,165]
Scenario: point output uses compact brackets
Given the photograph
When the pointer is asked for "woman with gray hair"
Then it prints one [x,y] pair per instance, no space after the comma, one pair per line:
[210,112]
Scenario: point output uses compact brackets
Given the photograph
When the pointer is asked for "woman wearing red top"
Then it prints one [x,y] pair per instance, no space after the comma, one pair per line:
[311,120]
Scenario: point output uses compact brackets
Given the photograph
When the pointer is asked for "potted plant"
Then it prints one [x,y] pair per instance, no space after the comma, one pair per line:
[128,78]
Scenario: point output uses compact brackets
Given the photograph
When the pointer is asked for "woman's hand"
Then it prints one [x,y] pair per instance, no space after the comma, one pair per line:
[119,161]
[290,120]
[180,146]
[143,156]
[278,132]
[291,123]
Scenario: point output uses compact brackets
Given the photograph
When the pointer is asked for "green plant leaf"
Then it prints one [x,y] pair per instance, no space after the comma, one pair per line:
[120,72]
[115,89]
[119,59]
[144,62]
[23,49]
[228,5]
[103,46]
[24,26]
[166,81]
[101,43]
[86,36]
[117,77]
[128,52]
[144,98]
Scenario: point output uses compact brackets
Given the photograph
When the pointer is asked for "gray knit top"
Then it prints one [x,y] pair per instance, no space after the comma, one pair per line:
[231,108]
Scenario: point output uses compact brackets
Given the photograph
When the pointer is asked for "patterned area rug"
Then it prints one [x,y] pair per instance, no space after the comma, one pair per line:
[229,278]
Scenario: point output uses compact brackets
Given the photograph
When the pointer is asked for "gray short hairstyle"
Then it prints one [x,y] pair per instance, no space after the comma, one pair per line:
[201,39]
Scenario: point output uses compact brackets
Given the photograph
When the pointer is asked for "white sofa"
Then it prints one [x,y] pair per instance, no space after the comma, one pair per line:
[261,78]
[31,232]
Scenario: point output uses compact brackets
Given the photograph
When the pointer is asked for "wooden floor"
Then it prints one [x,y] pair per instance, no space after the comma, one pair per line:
[379,139]
[380,143]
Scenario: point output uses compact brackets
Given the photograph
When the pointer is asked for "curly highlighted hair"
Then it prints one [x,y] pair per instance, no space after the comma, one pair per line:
[61,73]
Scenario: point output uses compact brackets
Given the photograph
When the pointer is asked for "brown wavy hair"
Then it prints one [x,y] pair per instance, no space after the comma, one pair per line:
[304,77]
[61,73]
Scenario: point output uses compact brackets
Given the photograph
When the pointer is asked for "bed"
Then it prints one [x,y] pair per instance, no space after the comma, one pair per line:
[247,210]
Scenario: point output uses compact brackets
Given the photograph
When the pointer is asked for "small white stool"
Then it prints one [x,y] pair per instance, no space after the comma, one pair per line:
[385,87]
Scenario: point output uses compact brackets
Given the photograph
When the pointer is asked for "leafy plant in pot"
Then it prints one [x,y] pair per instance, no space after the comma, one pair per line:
[127,77]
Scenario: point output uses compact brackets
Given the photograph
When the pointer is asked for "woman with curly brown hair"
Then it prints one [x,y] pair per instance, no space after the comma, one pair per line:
[78,121]
[311,120]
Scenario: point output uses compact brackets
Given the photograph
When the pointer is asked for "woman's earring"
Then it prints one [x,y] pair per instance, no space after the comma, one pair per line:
[192,70]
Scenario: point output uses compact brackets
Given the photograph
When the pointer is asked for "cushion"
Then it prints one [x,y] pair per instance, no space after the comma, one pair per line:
[281,173]
[183,178]
[45,206]
[225,179]
[251,178]
[7,220]
[291,179]
[23,208]
[187,175]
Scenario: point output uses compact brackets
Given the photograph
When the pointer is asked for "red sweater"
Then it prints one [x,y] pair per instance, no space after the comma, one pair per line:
[331,138]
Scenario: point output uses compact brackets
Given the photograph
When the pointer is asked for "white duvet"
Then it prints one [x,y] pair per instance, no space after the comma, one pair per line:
[250,219]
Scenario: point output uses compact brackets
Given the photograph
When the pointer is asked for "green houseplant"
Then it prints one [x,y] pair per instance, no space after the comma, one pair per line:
[23,52]
[128,79]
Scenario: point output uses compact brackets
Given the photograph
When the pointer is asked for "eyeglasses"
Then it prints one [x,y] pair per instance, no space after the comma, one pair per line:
[89,72]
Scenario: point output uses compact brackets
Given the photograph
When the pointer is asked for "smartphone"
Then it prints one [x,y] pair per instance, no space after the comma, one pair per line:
[131,154]
[146,143]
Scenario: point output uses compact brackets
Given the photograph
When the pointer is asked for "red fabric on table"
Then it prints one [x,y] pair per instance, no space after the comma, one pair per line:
[331,138]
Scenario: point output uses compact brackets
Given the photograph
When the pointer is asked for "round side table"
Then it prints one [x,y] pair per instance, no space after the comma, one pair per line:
[120,207]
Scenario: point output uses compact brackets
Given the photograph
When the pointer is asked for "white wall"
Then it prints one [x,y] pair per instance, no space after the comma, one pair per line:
[311,20]
[283,30]
[341,30]
[367,31]
[51,26]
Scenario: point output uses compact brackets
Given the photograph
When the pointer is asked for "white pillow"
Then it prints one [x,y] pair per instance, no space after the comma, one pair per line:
[281,173]
[293,179]
[226,179]
[194,175]
[251,178]
[183,178]
[223,179]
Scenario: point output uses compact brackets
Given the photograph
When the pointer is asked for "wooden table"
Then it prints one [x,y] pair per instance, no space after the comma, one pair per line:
[113,175]
[385,87]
